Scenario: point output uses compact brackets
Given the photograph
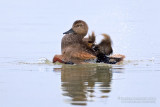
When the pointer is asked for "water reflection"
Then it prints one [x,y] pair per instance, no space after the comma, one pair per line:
[85,83]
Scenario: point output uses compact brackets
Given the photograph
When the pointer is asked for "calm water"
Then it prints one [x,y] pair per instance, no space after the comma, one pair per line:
[30,35]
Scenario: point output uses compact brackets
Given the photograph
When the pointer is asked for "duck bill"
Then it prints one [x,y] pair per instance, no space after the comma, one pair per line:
[69,31]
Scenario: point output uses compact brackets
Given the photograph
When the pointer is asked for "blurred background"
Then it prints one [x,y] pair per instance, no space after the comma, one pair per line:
[30,35]
[35,27]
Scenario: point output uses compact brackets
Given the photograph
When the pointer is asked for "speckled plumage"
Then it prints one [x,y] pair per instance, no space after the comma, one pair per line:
[73,47]
[77,49]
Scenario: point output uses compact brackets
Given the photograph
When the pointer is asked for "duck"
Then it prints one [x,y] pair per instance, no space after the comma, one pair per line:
[73,48]
[77,49]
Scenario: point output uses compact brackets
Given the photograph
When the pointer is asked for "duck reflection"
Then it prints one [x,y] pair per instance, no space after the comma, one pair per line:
[85,83]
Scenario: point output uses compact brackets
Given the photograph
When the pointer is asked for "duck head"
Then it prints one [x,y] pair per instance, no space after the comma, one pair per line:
[79,27]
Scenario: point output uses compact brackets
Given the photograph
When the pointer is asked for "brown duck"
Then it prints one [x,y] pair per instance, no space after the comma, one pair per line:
[73,48]
[77,49]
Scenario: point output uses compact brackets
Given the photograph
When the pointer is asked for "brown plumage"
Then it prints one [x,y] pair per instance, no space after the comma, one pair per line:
[77,49]
[73,47]
[58,58]
[105,46]
[90,40]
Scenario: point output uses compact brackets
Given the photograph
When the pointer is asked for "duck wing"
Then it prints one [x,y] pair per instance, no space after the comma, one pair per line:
[90,40]
[105,46]
[82,55]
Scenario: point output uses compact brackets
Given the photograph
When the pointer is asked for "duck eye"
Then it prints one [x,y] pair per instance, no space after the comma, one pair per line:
[79,25]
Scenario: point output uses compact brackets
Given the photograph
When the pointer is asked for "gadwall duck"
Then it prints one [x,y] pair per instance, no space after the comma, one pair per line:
[77,49]
[73,48]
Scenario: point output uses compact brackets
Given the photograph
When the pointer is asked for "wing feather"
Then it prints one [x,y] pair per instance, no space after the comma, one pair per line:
[105,46]
[83,55]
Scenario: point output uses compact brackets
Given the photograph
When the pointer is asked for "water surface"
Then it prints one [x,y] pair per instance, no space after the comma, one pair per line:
[30,35]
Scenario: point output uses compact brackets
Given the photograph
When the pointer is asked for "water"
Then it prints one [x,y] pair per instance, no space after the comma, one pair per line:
[30,35]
